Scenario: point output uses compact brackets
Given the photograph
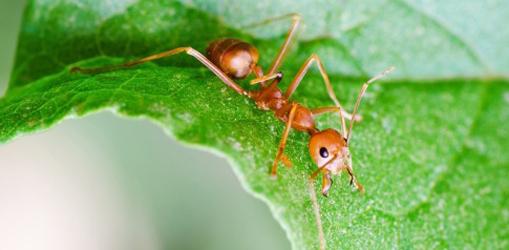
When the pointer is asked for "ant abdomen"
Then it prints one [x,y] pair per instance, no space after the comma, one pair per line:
[234,57]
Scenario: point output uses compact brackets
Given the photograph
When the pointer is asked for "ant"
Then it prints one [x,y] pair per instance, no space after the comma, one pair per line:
[230,58]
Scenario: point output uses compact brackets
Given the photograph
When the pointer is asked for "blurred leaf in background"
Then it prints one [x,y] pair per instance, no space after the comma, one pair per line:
[430,151]
[8,15]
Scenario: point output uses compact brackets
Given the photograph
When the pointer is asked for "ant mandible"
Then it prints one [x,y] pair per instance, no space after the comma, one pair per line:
[231,58]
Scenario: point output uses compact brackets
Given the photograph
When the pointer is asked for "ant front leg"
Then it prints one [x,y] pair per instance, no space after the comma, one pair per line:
[326,179]
[282,144]
[353,179]
[190,51]
[298,79]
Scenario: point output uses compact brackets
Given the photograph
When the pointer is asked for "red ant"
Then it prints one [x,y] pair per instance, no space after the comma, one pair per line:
[234,59]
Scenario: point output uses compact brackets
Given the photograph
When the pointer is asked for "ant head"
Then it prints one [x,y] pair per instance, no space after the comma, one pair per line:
[329,150]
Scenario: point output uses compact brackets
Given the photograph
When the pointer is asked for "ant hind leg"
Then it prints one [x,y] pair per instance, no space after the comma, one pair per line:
[278,59]
[190,51]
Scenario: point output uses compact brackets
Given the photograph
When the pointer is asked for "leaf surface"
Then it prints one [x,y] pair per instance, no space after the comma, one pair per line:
[431,150]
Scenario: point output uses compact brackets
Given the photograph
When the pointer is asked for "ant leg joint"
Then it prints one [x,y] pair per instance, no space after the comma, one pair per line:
[314,57]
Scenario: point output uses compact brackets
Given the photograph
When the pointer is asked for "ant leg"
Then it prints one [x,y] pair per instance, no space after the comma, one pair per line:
[326,184]
[326,179]
[353,179]
[282,143]
[286,44]
[286,161]
[300,75]
[190,51]
[284,48]
[323,110]
[262,79]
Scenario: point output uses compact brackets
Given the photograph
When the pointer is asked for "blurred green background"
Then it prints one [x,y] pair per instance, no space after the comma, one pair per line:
[105,182]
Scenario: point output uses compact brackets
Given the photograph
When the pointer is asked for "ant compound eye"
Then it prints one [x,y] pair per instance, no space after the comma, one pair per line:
[324,153]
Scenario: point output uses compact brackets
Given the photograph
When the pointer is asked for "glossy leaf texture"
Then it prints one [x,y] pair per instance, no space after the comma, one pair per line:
[430,151]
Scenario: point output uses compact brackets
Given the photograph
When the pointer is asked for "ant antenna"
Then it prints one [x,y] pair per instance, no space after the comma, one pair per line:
[361,94]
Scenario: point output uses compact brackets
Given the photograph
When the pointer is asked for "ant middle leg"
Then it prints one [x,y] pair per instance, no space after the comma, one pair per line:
[282,144]
[190,51]
[298,79]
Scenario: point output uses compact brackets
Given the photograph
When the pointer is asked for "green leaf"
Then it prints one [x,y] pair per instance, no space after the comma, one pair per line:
[431,150]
